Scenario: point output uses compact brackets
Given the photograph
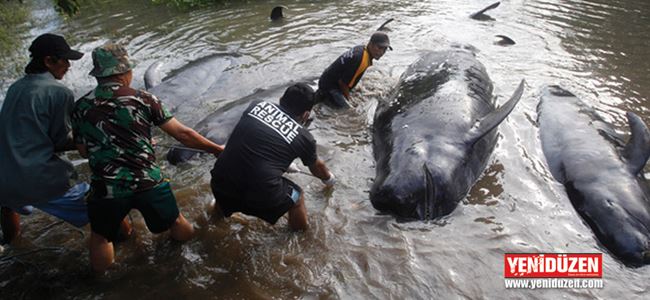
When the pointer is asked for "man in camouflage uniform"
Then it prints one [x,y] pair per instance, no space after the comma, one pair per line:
[112,127]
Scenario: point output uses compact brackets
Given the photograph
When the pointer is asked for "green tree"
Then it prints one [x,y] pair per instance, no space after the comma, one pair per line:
[12,15]
[68,7]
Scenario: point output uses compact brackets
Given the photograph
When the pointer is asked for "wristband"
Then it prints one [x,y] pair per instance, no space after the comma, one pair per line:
[330,181]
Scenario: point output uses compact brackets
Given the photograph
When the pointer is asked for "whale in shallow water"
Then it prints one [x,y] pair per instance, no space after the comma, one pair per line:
[600,172]
[434,135]
[183,90]
[218,125]
[481,16]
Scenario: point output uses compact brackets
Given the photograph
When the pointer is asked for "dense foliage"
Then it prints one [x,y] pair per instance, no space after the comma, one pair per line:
[68,7]
[12,15]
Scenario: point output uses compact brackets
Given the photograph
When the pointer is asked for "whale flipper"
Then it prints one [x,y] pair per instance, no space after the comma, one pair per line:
[479,15]
[495,118]
[637,150]
[152,76]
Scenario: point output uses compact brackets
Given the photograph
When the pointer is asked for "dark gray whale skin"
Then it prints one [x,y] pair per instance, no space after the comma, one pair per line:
[601,174]
[434,135]
[218,125]
[182,90]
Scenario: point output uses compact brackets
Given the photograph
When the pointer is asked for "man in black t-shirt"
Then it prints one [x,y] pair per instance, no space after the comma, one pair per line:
[345,72]
[247,177]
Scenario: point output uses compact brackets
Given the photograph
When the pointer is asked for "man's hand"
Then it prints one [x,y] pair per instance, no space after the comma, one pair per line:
[320,170]
[330,181]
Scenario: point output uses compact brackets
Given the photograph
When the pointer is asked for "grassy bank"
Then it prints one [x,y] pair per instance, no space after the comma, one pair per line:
[13,14]
[13,25]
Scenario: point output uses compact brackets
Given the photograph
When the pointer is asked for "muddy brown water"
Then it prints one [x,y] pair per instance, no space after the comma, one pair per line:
[598,49]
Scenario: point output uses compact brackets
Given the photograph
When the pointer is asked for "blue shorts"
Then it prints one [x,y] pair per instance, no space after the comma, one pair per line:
[294,194]
[71,207]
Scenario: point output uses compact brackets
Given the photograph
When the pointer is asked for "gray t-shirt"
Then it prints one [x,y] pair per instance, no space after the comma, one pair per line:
[34,123]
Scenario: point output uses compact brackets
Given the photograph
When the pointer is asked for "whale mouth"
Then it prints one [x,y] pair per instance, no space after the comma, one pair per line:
[416,202]
[426,208]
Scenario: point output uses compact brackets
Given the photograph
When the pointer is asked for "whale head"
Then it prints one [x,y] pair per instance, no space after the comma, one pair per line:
[616,215]
[417,186]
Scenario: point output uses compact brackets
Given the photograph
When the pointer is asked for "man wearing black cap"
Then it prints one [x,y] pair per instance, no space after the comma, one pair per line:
[345,72]
[247,177]
[34,126]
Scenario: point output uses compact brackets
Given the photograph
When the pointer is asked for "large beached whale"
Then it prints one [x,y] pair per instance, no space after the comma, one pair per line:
[218,125]
[601,173]
[183,89]
[434,135]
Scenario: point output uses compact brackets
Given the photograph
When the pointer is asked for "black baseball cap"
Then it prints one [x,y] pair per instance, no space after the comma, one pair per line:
[380,39]
[298,98]
[53,45]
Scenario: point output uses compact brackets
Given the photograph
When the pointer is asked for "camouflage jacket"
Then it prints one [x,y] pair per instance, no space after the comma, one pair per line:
[114,123]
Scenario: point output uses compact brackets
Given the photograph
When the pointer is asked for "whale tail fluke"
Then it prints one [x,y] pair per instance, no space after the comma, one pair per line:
[426,209]
[492,120]
[637,150]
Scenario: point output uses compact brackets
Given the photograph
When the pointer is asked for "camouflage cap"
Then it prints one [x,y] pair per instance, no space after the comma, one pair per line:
[110,59]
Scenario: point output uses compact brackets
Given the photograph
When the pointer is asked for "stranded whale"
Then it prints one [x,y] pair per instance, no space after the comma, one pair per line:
[601,174]
[434,136]
[183,90]
[218,125]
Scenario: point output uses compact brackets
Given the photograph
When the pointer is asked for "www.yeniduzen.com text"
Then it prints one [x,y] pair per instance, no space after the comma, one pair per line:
[554,283]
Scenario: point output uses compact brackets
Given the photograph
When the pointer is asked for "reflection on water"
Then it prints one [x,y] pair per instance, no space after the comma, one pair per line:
[610,40]
[595,48]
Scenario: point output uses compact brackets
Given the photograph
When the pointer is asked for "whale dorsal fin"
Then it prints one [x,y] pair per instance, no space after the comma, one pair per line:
[276,13]
[383,27]
[153,77]
[493,119]
[480,13]
[637,150]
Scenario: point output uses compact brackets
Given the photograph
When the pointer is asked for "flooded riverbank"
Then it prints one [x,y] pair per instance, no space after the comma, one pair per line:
[595,48]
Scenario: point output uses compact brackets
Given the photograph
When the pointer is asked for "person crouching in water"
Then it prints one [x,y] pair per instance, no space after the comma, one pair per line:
[247,177]
[344,73]
[112,127]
